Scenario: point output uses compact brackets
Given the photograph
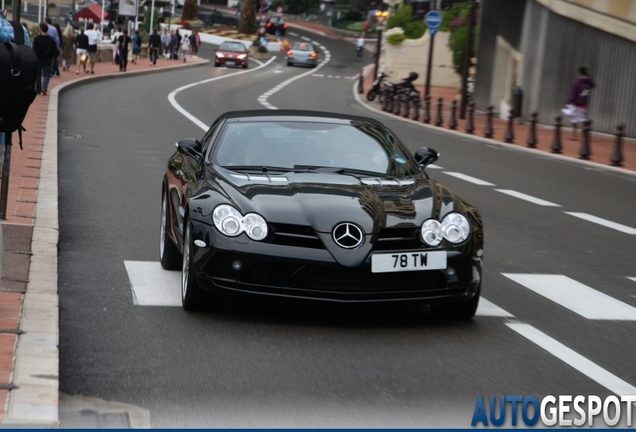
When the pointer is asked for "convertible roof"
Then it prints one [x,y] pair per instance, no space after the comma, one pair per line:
[296,113]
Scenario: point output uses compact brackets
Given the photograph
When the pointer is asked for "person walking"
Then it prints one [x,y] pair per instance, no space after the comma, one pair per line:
[136,46]
[56,65]
[195,42]
[185,47]
[578,100]
[123,44]
[81,51]
[44,48]
[115,40]
[68,43]
[154,45]
[57,37]
[92,45]
[165,43]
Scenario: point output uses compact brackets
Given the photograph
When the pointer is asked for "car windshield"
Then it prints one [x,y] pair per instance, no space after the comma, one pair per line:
[306,146]
[302,46]
[232,46]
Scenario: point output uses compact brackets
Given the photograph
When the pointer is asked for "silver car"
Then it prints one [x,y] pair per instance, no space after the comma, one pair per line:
[304,53]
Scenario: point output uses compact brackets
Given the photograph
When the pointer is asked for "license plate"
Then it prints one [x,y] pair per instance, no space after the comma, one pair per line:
[408,261]
[230,62]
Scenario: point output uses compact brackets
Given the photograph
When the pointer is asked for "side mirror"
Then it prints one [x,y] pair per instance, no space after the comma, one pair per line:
[426,156]
[190,147]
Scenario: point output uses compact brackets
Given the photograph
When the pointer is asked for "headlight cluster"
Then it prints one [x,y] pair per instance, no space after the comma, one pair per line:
[454,228]
[219,54]
[231,222]
[241,56]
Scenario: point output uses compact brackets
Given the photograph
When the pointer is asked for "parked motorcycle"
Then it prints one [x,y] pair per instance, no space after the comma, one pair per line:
[376,88]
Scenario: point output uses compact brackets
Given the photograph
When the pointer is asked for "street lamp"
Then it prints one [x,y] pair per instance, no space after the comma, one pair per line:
[380,18]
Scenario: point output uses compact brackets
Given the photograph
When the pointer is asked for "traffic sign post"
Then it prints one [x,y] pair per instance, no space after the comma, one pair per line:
[432,19]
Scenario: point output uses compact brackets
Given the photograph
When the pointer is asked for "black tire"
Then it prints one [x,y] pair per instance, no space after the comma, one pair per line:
[168,251]
[371,94]
[289,64]
[457,311]
[245,65]
[216,64]
[193,298]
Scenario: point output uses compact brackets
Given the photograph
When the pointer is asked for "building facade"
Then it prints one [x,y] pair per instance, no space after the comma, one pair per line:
[538,45]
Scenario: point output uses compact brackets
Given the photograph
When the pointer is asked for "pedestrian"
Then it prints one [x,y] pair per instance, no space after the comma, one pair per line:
[173,45]
[115,40]
[165,43]
[57,37]
[68,43]
[81,51]
[44,48]
[185,47]
[56,65]
[136,46]
[92,45]
[154,45]
[195,43]
[123,45]
[578,100]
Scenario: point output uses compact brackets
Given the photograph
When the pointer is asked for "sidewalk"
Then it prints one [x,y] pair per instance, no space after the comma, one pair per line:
[29,319]
[601,146]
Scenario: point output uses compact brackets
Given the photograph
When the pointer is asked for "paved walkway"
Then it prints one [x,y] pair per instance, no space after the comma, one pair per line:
[29,320]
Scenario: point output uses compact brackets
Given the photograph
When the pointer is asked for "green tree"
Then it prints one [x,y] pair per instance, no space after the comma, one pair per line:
[247,21]
[190,10]
[146,24]
[403,18]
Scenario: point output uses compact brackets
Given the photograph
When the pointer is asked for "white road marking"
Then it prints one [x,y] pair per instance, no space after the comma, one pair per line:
[528,198]
[318,75]
[575,360]
[604,222]
[631,278]
[186,114]
[152,285]
[293,34]
[262,99]
[279,71]
[486,308]
[306,38]
[469,179]
[573,295]
[433,166]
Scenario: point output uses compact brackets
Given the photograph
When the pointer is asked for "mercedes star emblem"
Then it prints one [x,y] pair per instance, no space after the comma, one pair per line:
[347,235]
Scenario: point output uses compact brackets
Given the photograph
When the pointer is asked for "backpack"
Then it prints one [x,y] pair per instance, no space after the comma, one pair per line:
[18,73]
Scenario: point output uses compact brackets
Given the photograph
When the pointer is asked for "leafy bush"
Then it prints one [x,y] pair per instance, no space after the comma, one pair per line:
[247,22]
[395,38]
[190,10]
[414,29]
[400,18]
[262,49]
[456,19]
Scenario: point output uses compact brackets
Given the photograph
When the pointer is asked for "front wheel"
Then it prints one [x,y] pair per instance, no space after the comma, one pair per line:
[371,94]
[168,252]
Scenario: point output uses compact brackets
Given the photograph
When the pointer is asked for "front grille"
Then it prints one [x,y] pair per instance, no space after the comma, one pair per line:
[391,239]
[295,235]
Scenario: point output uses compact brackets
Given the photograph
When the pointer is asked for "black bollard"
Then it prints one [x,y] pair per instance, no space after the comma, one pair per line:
[585,152]
[388,101]
[470,123]
[488,131]
[361,83]
[415,96]
[439,120]
[556,142]
[407,104]
[509,137]
[396,103]
[532,134]
[452,123]
[427,110]
[617,156]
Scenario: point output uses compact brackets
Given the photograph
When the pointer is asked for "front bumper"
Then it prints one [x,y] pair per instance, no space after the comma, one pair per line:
[231,61]
[310,61]
[243,266]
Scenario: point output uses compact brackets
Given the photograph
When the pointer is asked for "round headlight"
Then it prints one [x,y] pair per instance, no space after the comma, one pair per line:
[455,228]
[432,232]
[255,226]
[228,220]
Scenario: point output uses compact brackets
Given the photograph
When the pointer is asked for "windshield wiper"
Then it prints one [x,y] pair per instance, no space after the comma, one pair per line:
[257,168]
[339,170]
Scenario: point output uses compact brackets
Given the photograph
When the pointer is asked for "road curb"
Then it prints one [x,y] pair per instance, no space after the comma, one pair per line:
[490,141]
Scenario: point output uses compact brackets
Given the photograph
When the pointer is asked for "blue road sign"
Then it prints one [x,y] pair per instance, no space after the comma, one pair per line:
[433,19]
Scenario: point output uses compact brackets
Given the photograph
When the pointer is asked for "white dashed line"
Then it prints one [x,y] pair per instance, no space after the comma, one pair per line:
[469,178]
[293,34]
[575,360]
[609,224]
[318,75]
[433,166]
[306,38]
[528,198]
[631,278]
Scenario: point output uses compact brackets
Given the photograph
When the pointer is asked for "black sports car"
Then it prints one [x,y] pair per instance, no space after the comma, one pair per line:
[316,206]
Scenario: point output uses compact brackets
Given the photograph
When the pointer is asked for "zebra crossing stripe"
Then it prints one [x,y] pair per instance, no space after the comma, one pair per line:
[609,224]
[528,198]
[631,278]
[573,295]
[152,285]
[469,178]
[486,308]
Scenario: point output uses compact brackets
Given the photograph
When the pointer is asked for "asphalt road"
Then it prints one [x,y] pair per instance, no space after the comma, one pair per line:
[266,365]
